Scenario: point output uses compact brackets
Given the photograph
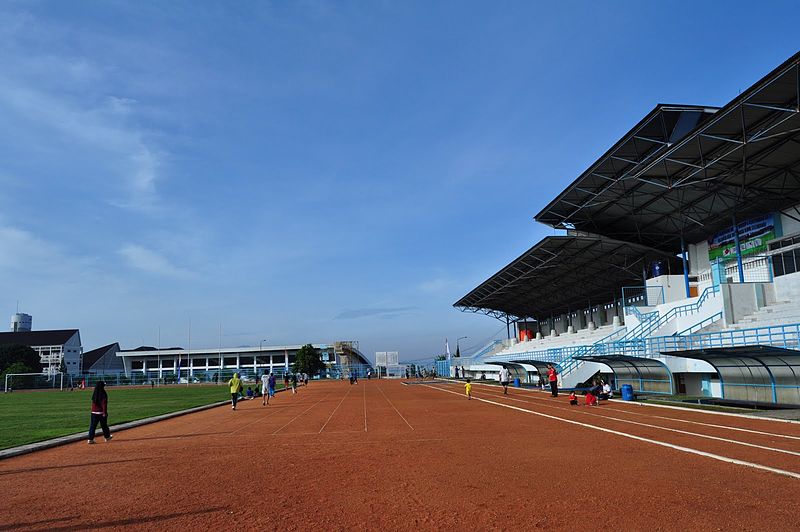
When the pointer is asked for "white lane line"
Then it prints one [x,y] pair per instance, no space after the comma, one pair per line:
[674,407]
[335,409]
[639,438]
[740,429]
[621,420]
[365,409]
[262,418]
[395,409]
[300,414]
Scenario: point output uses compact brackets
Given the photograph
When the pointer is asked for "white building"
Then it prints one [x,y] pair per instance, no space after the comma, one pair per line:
[247,360]
[53,347]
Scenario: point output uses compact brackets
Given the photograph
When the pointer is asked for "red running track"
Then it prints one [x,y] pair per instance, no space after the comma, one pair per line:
[381,455]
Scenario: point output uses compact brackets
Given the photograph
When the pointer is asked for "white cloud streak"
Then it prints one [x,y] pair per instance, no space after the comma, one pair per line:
[147,260]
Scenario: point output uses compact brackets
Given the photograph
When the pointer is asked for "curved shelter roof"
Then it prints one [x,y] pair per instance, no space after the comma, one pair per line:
[645,375]
[759,373]
[561,274]
[743,159]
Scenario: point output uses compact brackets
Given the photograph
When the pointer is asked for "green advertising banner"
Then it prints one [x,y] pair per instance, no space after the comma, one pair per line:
[753,237]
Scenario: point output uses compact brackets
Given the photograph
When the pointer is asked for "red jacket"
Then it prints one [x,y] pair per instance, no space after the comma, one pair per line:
[551,374]
[101,408]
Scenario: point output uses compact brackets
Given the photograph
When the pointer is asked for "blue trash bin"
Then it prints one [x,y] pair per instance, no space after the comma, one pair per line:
[627,392]
[516,382]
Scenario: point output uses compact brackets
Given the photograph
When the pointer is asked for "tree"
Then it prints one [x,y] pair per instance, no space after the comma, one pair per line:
[307,360]
[13,353]
[16,367]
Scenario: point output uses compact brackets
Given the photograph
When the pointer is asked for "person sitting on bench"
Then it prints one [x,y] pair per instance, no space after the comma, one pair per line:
[606,393]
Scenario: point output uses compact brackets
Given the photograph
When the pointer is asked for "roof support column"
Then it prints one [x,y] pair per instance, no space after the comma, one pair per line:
[685,268]
[508,328]
[738,249]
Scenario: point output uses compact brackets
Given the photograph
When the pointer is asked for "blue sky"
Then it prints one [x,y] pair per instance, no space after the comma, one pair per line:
[320,171]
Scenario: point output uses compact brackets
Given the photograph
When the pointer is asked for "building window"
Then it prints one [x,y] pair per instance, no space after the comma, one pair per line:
[788,261]
[198,362]
[230,361]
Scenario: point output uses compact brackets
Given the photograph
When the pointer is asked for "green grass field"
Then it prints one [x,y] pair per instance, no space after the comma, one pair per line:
[27,417]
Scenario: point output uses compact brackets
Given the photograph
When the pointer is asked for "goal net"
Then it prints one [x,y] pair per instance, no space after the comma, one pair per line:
[35,381]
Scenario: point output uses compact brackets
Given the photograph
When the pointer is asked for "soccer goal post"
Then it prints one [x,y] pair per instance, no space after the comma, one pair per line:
[33,381]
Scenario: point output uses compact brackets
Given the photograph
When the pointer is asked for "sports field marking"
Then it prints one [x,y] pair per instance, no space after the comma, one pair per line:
[639,438]
[301,413]
[368,442]
[335,409]
[395,408]
[602,416]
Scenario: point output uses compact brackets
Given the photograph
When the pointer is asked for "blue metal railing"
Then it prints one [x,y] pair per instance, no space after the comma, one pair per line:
[787,336]
[701,324]
[645,329]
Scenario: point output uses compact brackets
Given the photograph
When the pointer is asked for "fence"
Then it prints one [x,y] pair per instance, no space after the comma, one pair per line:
[642,296]
[41,381]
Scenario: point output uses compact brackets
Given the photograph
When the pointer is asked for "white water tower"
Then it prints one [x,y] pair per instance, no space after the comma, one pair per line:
[21,322]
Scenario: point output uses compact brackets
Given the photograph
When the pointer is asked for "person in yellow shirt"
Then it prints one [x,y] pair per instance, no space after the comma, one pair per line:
[236,386]
[468,389]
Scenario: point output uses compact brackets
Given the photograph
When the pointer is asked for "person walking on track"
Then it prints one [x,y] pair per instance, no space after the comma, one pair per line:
[99,412]
[552,376]
[265,389]
[293,379]
[236,386]
[504,376]
[271,384]
[468,389]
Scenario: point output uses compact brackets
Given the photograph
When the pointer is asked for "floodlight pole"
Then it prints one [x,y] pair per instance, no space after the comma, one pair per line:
[255,362]
[458,340]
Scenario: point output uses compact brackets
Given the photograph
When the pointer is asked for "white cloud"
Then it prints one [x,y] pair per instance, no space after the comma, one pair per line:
[435,285]
[21,249]
[101,128]
[147,260]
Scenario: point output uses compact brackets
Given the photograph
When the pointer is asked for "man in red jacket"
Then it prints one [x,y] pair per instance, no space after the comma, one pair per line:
[552,376]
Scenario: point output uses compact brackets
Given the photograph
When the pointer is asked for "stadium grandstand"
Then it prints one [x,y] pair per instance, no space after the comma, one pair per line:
[677,265]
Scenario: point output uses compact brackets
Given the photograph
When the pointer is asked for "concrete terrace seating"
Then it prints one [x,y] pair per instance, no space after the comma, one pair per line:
[776,314]
[580,337]
[780,313]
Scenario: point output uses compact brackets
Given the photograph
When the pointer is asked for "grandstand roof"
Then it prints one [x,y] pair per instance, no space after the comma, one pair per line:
[743,159]
[561,274]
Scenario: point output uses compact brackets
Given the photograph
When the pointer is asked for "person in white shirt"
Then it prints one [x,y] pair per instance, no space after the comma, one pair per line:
[504,376]
[606,394]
